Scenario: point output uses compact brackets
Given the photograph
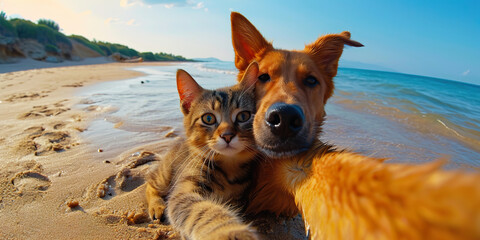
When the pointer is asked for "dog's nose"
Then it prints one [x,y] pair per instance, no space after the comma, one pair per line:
[284,120]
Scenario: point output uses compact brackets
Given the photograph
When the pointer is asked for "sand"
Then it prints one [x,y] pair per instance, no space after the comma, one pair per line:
[55,184]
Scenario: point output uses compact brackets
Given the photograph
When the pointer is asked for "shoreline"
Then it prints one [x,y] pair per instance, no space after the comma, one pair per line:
[30,64]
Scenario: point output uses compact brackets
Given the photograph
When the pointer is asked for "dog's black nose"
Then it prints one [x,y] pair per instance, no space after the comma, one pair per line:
[284,120]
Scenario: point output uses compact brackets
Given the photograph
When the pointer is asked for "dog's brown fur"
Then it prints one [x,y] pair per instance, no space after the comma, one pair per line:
[343,195]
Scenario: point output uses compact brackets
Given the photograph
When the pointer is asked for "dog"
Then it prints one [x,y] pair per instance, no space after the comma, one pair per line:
[340,194]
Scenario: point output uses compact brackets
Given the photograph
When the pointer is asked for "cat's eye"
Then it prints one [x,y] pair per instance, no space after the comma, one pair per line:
[243,116]
[264,77]
[209,119]
[310,81]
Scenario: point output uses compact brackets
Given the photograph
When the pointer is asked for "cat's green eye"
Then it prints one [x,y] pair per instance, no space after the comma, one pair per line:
[243,116]
[209,119]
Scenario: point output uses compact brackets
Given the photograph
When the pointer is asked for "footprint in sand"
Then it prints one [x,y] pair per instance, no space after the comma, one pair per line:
[22,179]
[44,111]
[28,96]
[31,180]
[39,141]
[58,126]
[34,131]
[126,184]
[128,179]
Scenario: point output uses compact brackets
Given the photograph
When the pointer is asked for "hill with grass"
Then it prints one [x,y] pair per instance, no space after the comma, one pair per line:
[43,41]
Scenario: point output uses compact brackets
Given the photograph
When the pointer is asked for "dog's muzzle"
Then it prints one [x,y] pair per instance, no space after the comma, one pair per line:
[283,132]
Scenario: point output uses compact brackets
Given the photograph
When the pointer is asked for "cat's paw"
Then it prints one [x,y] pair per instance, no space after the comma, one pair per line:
[156,210]
[239,235]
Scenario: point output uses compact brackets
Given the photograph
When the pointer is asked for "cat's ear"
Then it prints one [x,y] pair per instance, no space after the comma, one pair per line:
[251,76]
[188,89]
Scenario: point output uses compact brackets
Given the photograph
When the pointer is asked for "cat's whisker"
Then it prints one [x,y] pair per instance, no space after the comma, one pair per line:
[180,155]
[205,160]
[210,162]
[187,163]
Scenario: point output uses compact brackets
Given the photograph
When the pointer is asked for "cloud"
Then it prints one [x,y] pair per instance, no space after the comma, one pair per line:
[112,20]
[176,3]
[130,3]
[199,5]
[466,72]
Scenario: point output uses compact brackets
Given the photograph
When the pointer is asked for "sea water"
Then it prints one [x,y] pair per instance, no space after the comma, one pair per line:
[405,118]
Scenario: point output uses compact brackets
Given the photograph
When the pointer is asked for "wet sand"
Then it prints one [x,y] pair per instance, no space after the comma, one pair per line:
[28,64]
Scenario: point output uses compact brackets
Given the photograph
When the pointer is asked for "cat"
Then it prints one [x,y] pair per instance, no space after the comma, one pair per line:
[204,178]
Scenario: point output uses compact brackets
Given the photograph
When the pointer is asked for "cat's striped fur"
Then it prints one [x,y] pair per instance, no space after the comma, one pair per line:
[205,176]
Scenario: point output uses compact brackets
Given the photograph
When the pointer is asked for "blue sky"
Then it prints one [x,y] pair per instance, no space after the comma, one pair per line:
[431,38]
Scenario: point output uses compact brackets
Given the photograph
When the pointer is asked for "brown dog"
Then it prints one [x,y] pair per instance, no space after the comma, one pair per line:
[340,195]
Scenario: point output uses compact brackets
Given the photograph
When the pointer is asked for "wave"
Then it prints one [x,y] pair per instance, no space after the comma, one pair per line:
[217,67]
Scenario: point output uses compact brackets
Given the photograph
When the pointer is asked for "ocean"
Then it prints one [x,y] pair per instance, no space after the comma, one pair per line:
[404,118]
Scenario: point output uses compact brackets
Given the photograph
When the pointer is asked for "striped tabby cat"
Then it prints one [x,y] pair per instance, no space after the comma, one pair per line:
[204,177]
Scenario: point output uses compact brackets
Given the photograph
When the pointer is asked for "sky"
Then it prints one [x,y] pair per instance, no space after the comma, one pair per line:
[430,38]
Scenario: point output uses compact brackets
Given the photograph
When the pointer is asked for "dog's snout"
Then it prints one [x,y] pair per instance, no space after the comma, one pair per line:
[284,120]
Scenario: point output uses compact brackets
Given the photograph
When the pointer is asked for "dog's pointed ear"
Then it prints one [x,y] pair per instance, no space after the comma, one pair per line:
[251,76]
[188,89]
[326,51]
[247,41]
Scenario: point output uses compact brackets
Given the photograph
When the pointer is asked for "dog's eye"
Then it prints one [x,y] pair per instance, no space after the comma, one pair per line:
[264,77]
[310,81]
[209,119]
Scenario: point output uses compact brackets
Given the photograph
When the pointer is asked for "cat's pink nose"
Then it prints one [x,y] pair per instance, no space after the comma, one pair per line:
[227,136]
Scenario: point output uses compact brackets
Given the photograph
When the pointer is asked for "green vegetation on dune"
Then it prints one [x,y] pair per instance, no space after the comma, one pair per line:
[6,28]
[42,33]
[110,48]
[107,49]
[149,56]
[87,43]
[49,48]
[47,33]
[49,23]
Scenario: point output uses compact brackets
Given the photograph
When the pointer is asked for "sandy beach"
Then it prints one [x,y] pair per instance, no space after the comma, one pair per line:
[53,184]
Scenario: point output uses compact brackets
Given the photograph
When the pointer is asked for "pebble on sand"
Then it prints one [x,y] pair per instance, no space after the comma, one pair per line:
[73,203]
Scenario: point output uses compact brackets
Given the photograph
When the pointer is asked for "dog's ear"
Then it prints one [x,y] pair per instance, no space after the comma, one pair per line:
[247,41]
[251,76]
[188,89]
[326,51]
